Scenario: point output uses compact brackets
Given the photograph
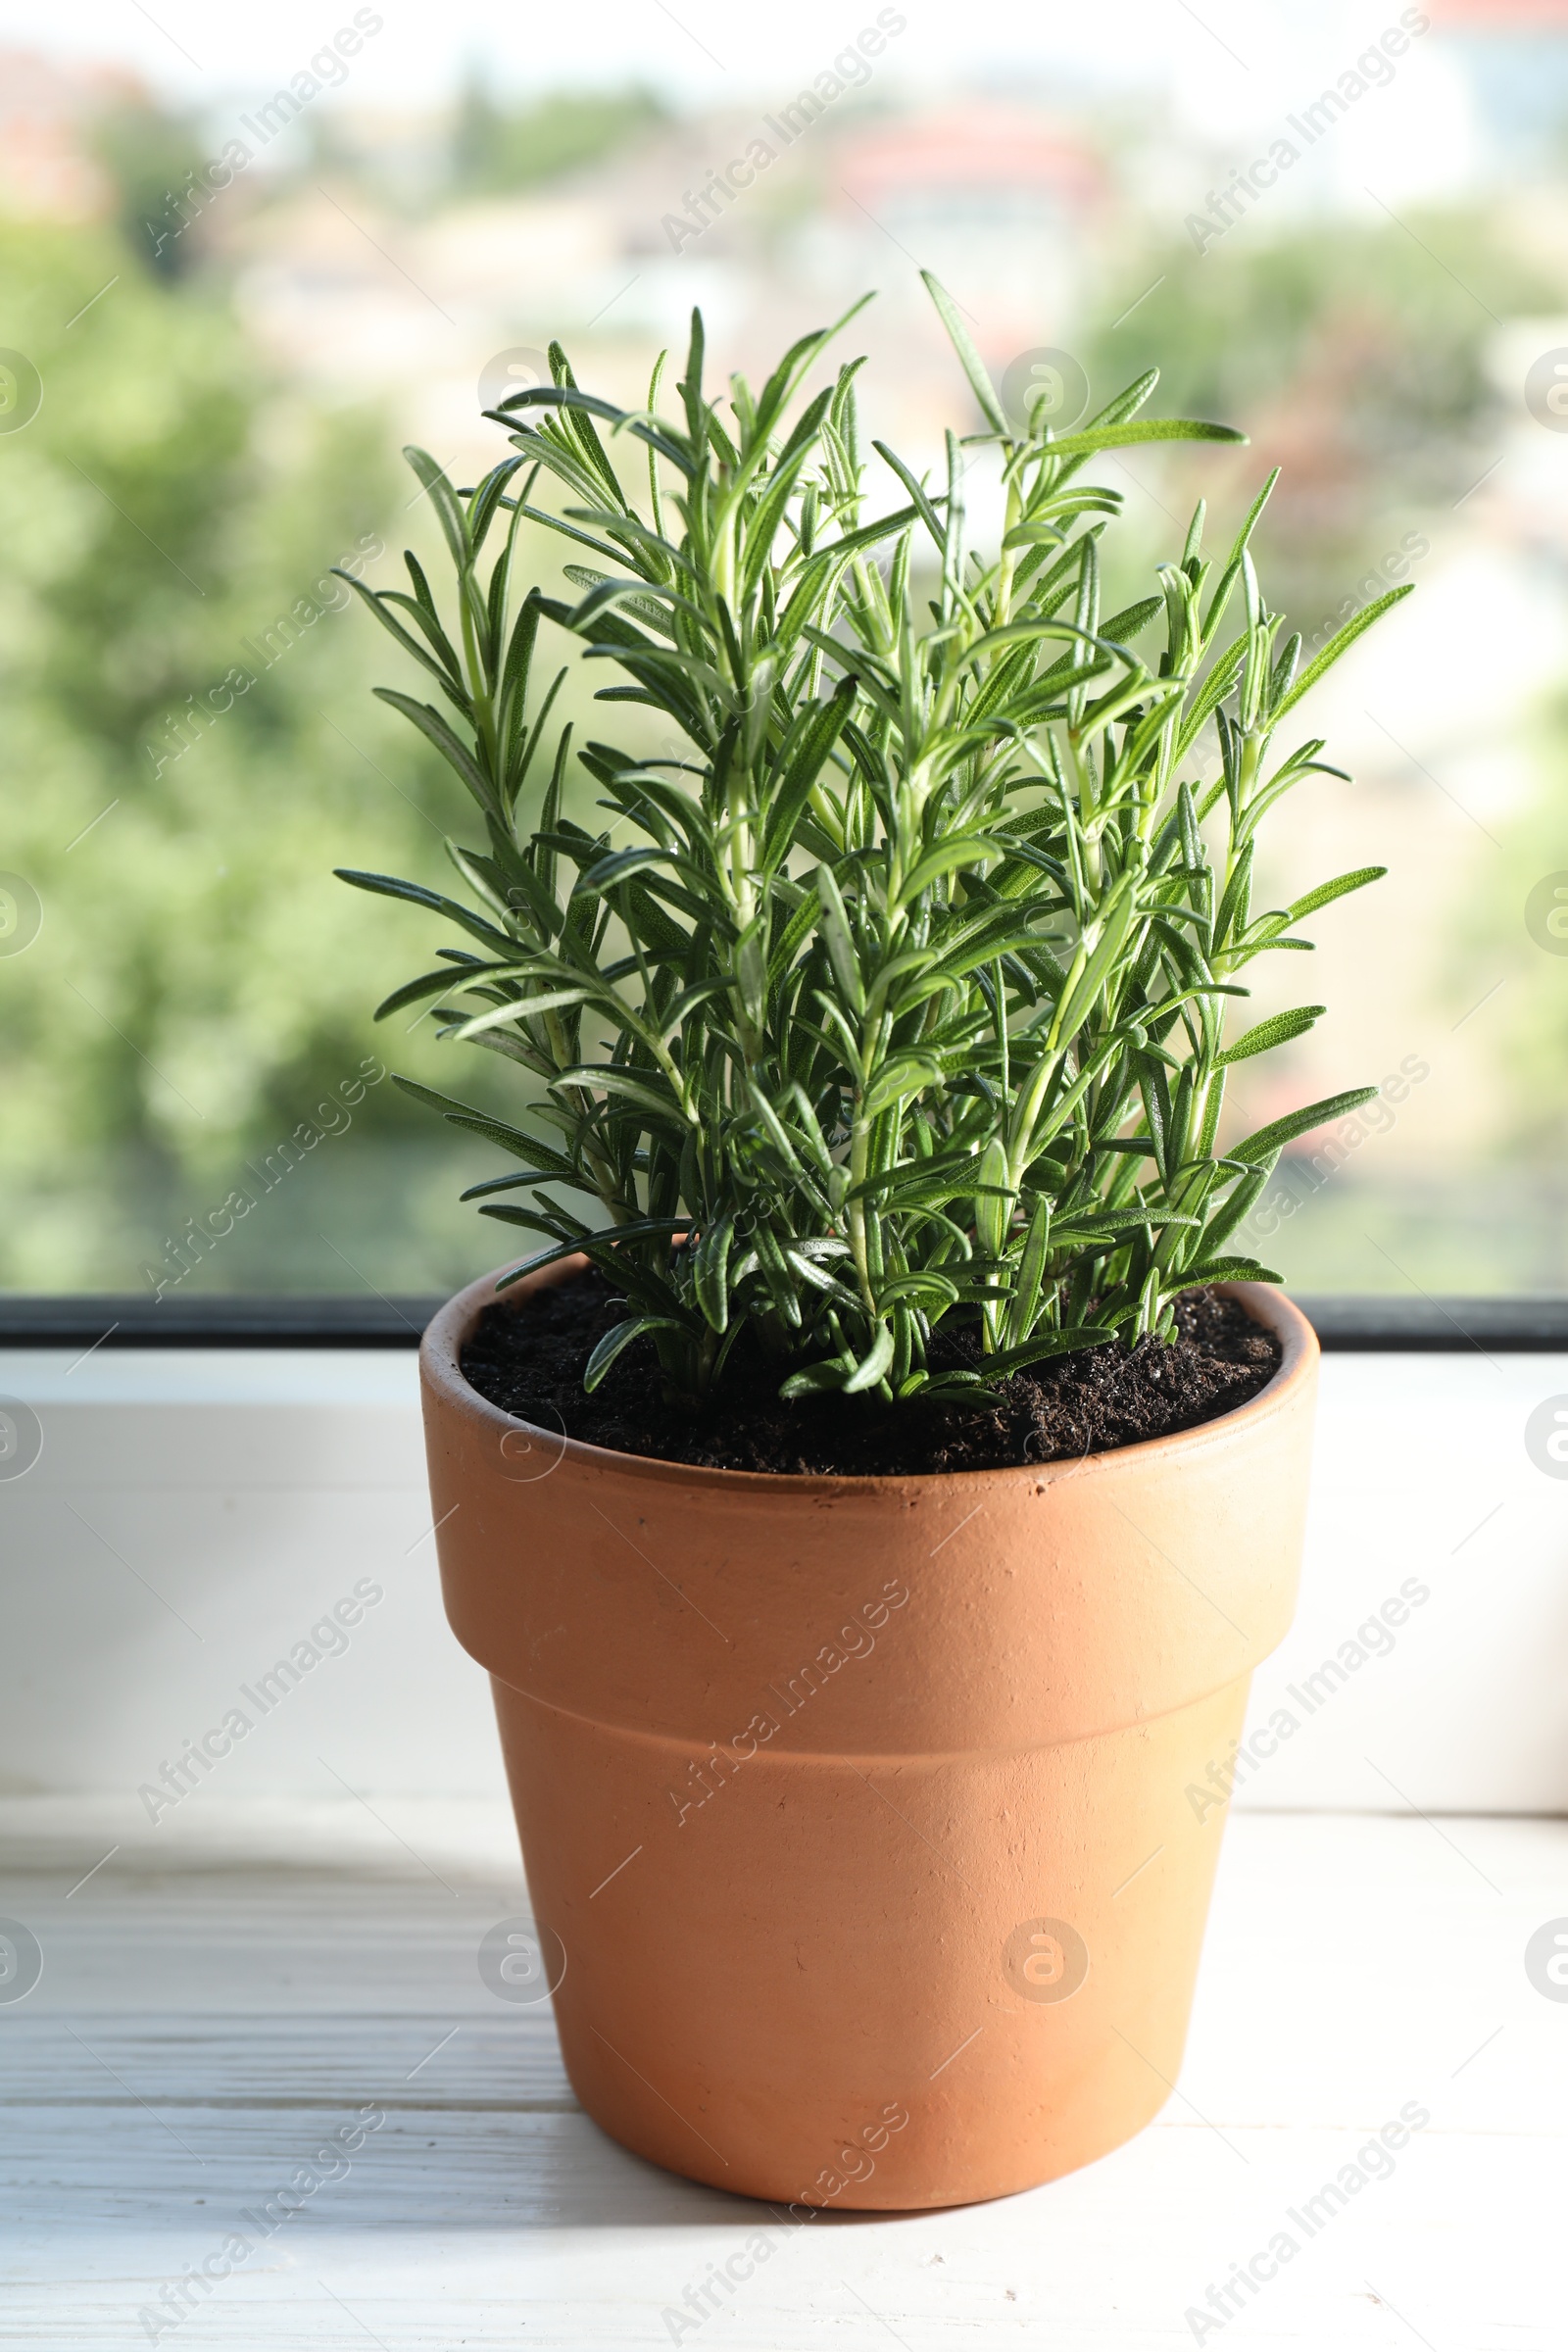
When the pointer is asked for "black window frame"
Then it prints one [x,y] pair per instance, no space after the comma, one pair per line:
[1345,1322]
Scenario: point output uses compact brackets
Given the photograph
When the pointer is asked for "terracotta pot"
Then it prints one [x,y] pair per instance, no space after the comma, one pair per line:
[856,1809]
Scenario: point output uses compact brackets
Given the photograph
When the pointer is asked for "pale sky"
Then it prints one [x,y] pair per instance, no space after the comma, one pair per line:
[1229,73]
[1232,58]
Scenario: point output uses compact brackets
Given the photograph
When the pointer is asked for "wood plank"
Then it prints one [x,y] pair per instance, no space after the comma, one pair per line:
[415,2064]
[248,2014]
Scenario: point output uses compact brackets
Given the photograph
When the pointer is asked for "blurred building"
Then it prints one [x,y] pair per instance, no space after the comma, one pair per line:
[995,199]
[48,116]
[1514,56]
[354,291]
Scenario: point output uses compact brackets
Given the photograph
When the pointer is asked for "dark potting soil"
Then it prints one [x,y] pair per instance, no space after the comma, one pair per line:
[528,1359]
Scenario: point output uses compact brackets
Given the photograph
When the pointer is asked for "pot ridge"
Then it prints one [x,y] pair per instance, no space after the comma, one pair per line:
[1040,1603]
[863,1818]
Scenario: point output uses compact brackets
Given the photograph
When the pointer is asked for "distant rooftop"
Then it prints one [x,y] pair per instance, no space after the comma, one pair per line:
[981,146]
[1499,16]
[47,113]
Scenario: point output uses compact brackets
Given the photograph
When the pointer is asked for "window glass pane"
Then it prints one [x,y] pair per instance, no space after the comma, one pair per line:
[232,285]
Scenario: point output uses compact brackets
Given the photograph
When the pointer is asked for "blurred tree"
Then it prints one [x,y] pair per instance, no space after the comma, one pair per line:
[1355,359]
[496,147]
[199,979]
[1512,953]
[150,156]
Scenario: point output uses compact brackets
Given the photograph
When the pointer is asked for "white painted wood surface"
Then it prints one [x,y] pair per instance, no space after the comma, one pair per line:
[217,2002]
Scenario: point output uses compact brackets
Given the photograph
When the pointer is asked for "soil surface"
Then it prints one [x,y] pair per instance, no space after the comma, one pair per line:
[528,1359]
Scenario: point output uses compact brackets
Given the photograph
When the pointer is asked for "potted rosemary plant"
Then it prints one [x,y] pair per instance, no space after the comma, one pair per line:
[872,1494]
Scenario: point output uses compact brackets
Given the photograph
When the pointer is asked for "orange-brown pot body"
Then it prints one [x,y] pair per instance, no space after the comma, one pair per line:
[872,1820]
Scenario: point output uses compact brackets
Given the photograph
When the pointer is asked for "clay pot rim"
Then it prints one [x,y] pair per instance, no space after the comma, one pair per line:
[451,1325]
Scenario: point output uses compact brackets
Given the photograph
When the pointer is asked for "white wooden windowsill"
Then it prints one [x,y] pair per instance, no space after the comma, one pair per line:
[296,1938]
[212,2009]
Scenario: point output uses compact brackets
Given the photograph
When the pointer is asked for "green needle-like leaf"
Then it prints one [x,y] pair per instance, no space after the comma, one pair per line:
[872,994]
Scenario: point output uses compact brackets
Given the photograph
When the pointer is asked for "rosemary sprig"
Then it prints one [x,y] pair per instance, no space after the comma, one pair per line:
[904,997]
